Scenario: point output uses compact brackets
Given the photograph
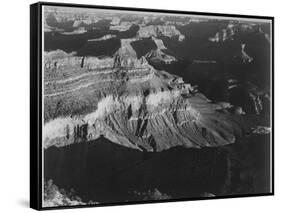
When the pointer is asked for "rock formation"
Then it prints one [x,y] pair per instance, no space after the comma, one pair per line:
[105,37]
[224,34]
[136,104]
[245,57]
[157,56]
[123,26]
[160,30]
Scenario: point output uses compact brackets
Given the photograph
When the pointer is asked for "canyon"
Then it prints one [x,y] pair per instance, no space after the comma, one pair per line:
[147,107]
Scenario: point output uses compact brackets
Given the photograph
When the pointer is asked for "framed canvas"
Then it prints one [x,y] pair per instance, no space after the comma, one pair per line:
[133,106]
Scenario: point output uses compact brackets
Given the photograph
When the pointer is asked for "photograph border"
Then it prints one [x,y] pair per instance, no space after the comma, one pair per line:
[36,102]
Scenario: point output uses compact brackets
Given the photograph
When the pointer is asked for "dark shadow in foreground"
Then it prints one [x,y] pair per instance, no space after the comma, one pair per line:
[105,172]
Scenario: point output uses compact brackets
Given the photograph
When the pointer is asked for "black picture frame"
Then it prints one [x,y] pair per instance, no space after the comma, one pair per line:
[36,101]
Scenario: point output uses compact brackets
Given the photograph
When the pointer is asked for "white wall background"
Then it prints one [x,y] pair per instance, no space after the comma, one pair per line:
[14,105]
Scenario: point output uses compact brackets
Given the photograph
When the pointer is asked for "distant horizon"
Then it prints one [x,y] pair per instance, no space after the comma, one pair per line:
[113,11]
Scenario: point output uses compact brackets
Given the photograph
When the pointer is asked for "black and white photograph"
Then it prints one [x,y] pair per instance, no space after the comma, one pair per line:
[145,106]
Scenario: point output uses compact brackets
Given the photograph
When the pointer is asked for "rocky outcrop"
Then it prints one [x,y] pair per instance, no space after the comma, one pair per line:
[258,99]
[78,23]
[123,26]
[224,34]
[261,130]
[115,21]
[157,56]
[126,50]
[79,30]
[105,37]
[54,197]
[160,30]
[159,43]
[245,57]
[65,61]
